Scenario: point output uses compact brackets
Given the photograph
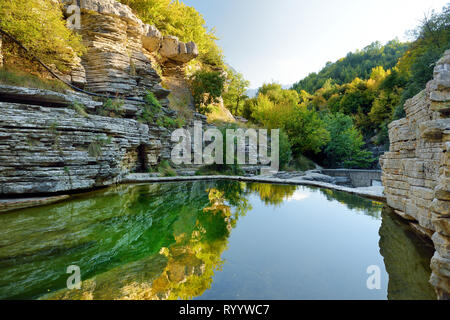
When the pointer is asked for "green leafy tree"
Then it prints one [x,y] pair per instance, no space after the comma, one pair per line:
[206,87]
[234,96]
[357,64]
[306,131]
[345,147]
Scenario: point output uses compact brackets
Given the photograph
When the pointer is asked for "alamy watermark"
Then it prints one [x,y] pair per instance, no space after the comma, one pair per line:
[374,280]
[73,11]
[74,280]
[206,147]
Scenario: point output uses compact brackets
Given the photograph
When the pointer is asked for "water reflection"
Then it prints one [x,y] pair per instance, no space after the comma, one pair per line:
[166,241]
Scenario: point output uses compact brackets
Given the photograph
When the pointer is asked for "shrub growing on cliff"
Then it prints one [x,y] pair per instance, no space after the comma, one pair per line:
[40,26]
[206,87]
[151,108]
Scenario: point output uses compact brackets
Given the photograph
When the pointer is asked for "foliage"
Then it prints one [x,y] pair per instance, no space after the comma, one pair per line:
[355,65]
[95,147]
[275,108]
[302,163]
[151,108]
[306,131]
[111,108]
[285,150]
[372,85]
[165,169]
[224,168]
[234,96]
[40,26]
[206,87]
[432,38]
[345,147]
[177,19]
[79,108]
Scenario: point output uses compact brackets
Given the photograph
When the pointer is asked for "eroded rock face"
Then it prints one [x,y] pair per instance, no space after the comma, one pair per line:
[416,172]
[118,44]
[46,146]
[47,150]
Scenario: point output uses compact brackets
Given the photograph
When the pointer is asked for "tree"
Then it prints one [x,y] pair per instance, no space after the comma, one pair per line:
[306,131]
[432,38]
[206,88]
[39,25]
[345,146]
[234,96]
[357,64]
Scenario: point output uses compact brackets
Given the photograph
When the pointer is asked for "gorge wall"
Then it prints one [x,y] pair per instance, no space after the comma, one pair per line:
[48,146]
[416,172]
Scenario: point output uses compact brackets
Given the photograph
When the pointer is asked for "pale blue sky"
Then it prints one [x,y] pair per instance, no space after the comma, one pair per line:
[285,40]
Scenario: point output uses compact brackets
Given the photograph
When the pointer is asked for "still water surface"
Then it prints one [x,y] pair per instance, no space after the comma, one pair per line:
[211,240]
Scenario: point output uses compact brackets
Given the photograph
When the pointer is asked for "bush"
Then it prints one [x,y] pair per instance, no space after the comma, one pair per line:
[151,108]
[111,108]
[166,170]
[302,163]
[39,25]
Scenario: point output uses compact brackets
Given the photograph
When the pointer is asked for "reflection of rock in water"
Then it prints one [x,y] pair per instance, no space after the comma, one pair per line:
[131,242]
[153,278]
[407,260]
[368,207]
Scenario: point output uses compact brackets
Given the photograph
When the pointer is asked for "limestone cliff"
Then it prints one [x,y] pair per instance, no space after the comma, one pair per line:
[416,172]
[124,54]
[47,146]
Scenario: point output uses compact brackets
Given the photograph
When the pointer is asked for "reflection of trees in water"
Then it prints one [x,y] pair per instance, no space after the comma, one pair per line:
[149,242]
[368,207]
[271,194]
[158,241]
[407,260]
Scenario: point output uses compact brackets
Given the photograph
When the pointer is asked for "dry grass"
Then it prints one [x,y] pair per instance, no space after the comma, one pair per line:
[14,77]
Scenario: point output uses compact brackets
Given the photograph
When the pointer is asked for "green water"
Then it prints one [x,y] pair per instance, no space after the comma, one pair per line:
[211,240]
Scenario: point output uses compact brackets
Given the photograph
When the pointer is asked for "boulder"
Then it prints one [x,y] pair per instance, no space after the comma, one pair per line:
[175,50]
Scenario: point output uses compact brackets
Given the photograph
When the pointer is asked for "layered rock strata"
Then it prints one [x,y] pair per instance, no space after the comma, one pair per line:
[120,52]
[48,146]
[416,172]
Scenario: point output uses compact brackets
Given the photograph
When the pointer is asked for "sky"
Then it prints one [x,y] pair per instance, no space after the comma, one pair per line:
[285,40]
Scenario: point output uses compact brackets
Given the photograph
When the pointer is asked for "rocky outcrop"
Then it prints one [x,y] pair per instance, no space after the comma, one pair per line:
[47,150]
[121,50]
[416,172]
[47,145]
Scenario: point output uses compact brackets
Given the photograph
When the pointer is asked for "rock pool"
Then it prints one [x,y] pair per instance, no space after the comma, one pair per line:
[212,240]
